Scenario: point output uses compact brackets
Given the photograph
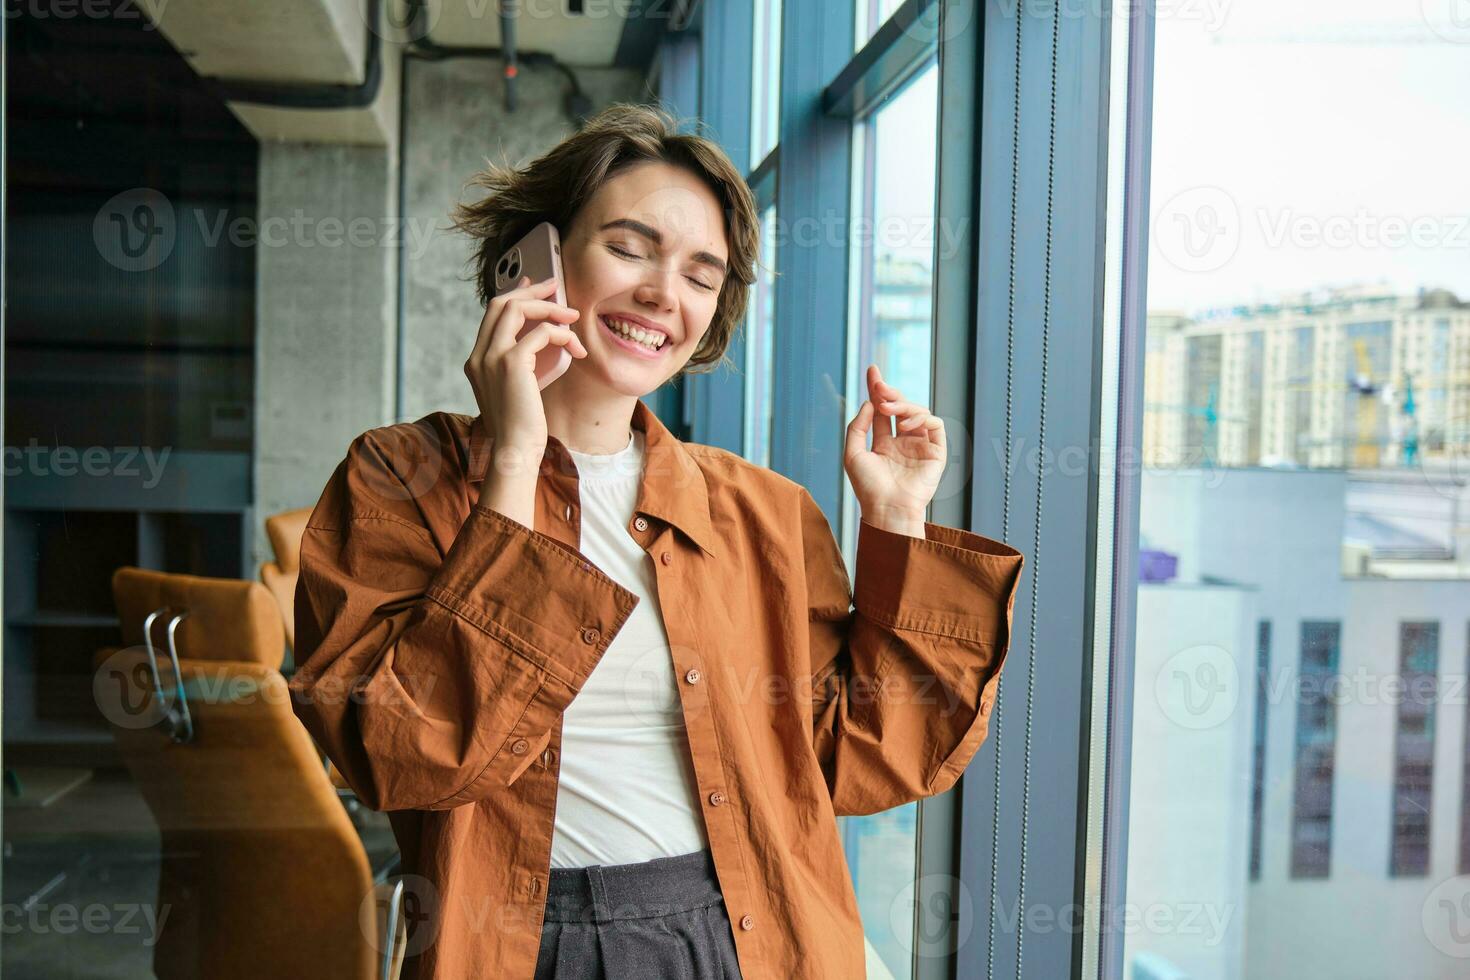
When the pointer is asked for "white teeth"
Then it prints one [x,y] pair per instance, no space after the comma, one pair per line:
[648,338]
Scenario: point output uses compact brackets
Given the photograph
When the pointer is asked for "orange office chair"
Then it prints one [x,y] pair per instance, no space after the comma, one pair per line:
[262,872]
[285,530]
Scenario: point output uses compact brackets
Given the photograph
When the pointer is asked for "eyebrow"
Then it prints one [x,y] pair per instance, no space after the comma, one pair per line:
[657,237]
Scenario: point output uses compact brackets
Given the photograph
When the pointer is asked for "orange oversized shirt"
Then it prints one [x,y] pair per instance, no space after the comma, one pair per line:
[438,643]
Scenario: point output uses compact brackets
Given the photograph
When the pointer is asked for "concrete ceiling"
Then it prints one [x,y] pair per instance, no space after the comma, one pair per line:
[590,39]
[324,42]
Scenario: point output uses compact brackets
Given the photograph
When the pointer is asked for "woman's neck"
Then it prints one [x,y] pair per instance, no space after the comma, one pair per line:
[597,424]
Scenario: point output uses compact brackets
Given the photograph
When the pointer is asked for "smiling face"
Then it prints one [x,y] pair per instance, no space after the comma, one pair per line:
[643,263]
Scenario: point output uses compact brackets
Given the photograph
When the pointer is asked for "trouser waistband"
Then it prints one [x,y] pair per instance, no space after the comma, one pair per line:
[661,886]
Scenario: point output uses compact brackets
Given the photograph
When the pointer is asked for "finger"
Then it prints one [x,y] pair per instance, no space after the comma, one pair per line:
[882,429]
[857,430]
[882,389]
[875,385]
[893,406]
[523,287]
[914,421]
[518,313]
[544,335]
[937,436]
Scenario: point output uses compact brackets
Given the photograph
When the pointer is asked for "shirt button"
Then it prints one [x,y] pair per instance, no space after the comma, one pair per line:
[665,557]
[747,923]
[586,566]
[693,675]
[549,756]
[640,522]
[519,746]
[716,798]
[569,511]
[590,635]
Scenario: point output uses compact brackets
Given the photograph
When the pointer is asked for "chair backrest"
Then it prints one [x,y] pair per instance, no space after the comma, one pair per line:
[262,873]
[229,619]
[285,531]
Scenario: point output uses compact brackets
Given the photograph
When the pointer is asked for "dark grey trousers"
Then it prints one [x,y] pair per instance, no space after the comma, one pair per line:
[662,919]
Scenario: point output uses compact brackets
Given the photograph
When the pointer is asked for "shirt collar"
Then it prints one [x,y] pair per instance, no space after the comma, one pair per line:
[672,489]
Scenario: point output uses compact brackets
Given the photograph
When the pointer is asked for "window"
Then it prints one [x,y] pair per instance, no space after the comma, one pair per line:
[890,324]
[760,322]
[892,252]
[1316,739]
[1464,862]
[870,16]
[1303,441]
[1413,777]
[1258,749]
[765,100]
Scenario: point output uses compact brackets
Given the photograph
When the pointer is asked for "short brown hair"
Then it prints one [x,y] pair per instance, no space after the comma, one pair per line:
[555,186]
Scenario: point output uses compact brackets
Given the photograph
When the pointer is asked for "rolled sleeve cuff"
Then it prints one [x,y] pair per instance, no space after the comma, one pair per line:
[540,598]
[951,581]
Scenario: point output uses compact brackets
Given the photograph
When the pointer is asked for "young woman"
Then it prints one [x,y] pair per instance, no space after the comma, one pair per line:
[612,687]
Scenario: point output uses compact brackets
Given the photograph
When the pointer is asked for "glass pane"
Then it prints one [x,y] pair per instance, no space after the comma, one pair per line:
[870,16]
[892,326]
[760,361]
[1304,592]
[765,96]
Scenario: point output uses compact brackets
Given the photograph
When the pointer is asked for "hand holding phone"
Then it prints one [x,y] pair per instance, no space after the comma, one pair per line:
[520,326]
[538,256]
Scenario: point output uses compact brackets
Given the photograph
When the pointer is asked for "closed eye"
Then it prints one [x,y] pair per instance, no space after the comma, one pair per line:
[632,255]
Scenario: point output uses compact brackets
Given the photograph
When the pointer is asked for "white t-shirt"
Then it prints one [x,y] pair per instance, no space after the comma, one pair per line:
[627,787]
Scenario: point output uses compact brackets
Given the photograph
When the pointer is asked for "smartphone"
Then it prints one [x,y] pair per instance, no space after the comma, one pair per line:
[537,255]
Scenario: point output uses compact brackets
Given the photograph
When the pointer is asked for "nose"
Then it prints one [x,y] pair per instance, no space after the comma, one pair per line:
[656,290]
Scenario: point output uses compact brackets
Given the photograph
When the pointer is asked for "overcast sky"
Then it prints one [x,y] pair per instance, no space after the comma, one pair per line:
[1303,144]
[1298,144]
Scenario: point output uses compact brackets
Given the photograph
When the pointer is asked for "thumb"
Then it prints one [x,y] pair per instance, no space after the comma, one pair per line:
[857,430]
